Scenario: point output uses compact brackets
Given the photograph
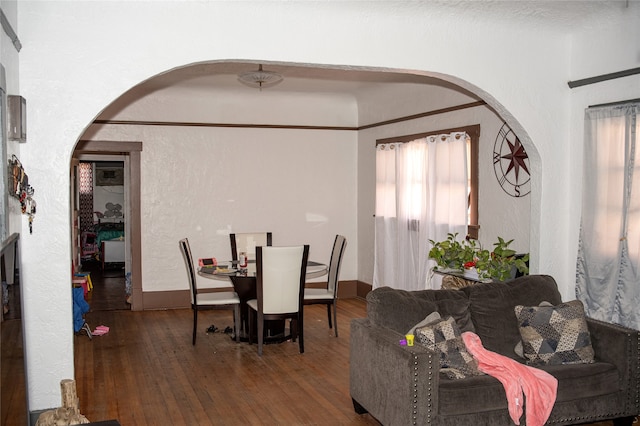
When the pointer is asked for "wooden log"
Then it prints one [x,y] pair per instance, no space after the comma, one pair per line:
[68,414]
[69,395]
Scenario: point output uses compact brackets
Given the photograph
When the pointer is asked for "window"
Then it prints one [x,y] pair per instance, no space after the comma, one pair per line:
[608,264]
[472,173]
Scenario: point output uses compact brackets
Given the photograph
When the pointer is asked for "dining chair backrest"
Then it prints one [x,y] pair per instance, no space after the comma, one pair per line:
[247,242]
[281,278]
[339,245]
[188,262]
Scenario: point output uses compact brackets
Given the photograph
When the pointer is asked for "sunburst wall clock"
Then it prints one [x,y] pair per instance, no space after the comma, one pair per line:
[511,163]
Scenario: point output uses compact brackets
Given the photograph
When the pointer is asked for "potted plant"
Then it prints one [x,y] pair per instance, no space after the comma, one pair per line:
[449,254]
[469,258]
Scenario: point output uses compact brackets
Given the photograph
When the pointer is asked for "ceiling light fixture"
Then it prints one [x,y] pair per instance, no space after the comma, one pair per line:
[260,78]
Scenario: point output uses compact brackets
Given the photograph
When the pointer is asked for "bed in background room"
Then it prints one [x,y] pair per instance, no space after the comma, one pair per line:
[110,241]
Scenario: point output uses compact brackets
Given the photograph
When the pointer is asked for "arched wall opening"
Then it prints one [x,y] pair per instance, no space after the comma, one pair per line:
[341,113]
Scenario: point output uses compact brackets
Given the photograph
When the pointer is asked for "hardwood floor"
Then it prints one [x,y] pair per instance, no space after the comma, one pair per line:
[108,287]
[146,372]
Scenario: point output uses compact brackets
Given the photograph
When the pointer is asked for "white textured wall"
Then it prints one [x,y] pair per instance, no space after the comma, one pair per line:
[102,195]
[206,182]
[79,56]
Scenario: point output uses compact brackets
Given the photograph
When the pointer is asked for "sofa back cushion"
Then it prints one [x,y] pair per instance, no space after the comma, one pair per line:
[492,308]
[400,310]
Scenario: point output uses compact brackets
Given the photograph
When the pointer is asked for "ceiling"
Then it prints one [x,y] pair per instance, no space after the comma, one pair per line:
[297,78]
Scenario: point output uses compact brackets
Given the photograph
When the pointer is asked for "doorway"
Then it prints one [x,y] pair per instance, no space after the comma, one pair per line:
[119,264]
[102,213]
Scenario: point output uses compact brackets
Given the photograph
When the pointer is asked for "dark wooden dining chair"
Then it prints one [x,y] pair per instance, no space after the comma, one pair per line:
[329,295]
[213,300]
[280,279]
[247,242]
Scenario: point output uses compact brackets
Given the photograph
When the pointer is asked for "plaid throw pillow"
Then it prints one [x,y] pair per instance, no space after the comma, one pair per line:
[555,334]
[443,337]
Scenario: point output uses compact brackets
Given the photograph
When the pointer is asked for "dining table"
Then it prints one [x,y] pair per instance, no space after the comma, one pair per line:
[243,279]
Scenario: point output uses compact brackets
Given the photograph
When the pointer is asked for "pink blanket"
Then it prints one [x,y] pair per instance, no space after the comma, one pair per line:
[538,386]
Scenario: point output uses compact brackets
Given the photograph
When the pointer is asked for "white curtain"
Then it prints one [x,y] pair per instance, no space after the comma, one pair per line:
[421,194]
[608,267]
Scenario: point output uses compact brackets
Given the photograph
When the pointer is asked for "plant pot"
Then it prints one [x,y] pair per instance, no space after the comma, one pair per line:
[471,273]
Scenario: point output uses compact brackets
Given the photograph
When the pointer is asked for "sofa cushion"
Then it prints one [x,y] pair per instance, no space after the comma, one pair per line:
[485,393]
[476,394]
[577,381]
[555,334]
[432,317]
[492,308]
[400,310]
[459,310]
[443,337]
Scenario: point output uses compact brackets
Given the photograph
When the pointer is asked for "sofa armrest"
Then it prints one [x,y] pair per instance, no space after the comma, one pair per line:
[619,346]
[398,385]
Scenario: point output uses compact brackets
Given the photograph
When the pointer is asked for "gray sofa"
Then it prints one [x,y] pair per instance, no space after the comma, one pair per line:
[402,385]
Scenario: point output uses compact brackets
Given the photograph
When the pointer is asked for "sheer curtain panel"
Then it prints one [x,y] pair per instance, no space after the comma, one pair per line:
[421,194]
[608,275]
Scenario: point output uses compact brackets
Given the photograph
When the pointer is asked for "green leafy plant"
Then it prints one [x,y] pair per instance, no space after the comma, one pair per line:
[449,253]
[454,255]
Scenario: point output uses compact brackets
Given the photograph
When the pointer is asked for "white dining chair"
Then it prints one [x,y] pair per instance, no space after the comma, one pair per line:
[280,278]
[247,242]
[329,295]
[211,300]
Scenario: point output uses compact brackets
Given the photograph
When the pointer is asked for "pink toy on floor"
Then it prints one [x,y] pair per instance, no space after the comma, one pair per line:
[100,330]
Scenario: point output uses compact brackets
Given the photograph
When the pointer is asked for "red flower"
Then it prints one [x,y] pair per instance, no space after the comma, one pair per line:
[470,265]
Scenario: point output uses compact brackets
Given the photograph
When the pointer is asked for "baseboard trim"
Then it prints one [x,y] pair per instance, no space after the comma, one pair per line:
[363,289]
[181,299]
[174,299]
[33,416]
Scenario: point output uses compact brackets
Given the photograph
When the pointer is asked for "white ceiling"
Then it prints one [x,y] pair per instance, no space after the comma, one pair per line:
[297,78]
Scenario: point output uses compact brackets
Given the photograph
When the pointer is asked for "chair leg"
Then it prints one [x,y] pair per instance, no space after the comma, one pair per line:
[236,321]
[293,329]
[335,317]
[195,325]
[260,333]
[300,327]
[250,320]
[329,313]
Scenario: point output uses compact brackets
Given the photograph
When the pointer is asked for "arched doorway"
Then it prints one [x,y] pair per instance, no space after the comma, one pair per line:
[132,113]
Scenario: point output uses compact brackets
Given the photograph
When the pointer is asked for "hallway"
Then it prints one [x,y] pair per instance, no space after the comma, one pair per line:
[108,292]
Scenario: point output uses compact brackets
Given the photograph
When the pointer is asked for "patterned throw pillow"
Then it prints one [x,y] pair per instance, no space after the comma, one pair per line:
[432,317]
[443,337]
[555,334]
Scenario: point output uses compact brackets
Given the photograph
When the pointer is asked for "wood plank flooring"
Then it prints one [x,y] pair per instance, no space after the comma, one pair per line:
[108,287]
[146,372]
